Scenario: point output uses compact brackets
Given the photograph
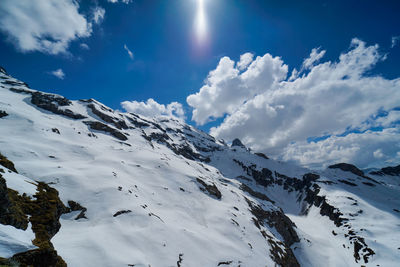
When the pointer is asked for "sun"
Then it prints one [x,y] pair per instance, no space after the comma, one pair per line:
[200,24]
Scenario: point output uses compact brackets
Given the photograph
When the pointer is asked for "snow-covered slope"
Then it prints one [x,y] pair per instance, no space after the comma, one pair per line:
[157,192]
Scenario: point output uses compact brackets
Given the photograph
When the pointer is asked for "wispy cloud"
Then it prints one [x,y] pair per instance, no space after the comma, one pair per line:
[98,14]
[122,1]
[84,46]
[395,41]
[59,73]
[128,51]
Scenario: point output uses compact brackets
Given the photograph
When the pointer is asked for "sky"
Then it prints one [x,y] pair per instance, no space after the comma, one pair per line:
[313,82]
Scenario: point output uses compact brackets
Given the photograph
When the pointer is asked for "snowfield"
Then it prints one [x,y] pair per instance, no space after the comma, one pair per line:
[158,192]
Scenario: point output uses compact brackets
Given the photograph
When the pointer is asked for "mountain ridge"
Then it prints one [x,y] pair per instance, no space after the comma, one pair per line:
[180,194]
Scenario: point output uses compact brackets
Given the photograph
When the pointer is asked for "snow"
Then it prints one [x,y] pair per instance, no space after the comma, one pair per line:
[13,240]
[19,183]
[170,215]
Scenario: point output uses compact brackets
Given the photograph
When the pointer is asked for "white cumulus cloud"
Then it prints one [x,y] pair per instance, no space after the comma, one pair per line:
[368,149]
[47,26]
[275,114]
[151,108]
[229,86]
[59,73]
[244,61]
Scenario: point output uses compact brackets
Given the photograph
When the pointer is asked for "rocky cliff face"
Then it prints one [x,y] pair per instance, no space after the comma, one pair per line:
[112,188]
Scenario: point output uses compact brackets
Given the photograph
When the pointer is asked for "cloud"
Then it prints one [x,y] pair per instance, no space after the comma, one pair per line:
[378,153]
[98,14]
[277,115]
[130,54]
[314,57]
[368,149]
[228,87]
[59,73]
[245,60]
[47,26]
[84,46]
[395,41]
[122,1]
[151,108]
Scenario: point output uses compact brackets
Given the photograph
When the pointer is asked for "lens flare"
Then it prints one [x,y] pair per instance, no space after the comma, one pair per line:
[200,23]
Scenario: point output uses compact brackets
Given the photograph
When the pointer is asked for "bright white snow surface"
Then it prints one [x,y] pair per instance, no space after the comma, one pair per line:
[170,215]
[13,240]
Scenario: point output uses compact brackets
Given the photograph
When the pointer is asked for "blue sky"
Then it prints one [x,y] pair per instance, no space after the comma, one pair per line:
[169,63]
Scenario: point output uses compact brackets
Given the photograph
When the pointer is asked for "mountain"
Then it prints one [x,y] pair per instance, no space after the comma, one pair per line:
[84,185]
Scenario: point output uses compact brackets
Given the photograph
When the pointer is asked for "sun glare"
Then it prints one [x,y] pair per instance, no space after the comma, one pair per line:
[200,23]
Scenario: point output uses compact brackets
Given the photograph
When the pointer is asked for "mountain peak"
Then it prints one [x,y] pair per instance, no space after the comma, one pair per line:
[3,70]
[237,142]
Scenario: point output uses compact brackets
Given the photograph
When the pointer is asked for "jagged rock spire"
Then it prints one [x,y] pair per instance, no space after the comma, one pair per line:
[237,142]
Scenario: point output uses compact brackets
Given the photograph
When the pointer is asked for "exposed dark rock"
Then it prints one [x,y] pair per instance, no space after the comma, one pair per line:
[186,151]
[211,189]
[10,212]
[237,142]
[155,215]
[347,168]
[3,114]
[361,249]
[262,155]
[15,83]
[368,183]
[353,169]
[135,121]
[55,130]
[3,70]
[255,194]
[347,182]
[44,212]
[284,226]
[119,123]
[7,163]
[121,212]
[75,206]
[38,257]
[20,91]
[393,171]
[277,219]
[180,259]
[224,263]
[283,257]
[326,209]
[207,148]
[98,126]
[52,103]
[263,177]
[159,137]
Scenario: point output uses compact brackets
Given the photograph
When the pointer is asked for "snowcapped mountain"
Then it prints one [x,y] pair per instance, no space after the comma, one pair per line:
[84,185]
